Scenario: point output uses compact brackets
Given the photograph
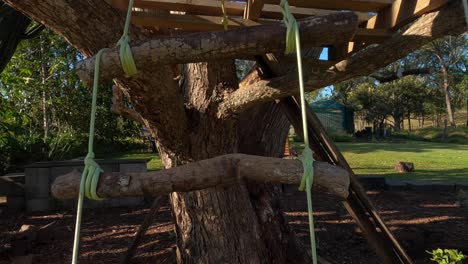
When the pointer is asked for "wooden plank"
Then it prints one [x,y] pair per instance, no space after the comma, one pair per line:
[253,9]
[402,12]
[213,8]
[369,36]
[274,11]
[355,5]
[191,22]
[197,7]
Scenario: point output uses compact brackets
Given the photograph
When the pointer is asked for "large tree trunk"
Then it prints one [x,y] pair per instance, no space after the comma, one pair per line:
[397,121]
[238,224]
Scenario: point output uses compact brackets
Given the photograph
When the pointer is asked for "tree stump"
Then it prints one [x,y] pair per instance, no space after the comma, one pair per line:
[404,167]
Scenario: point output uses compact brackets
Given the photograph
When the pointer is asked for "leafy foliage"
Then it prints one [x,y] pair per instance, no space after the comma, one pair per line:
[44,108]
[447,256]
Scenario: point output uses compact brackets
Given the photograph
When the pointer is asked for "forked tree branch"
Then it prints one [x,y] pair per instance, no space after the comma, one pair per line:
[447,21]
[119,107]
[219,171]
[238,43]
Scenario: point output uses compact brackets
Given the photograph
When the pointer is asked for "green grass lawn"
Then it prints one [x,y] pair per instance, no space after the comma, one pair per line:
[432,161]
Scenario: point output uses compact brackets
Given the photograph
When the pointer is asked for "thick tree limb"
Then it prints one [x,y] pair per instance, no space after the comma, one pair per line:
[447,21]
[220,171]
[206,46]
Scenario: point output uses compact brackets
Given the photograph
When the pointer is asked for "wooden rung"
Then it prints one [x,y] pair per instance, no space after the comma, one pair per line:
[355,5]
[191,22]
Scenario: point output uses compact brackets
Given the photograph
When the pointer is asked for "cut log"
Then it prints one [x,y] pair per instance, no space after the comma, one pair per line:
[404,167]
[219,171]
[240,43]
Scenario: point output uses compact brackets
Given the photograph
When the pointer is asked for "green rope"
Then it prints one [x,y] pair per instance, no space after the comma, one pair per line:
[225,20]
[90,176]
[126,56]
[91,172]
[293,44]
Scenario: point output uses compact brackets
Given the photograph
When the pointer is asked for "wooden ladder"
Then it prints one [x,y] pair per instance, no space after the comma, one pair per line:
[358,203]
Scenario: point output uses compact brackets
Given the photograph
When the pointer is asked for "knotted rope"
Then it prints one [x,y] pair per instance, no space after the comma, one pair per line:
[293,44]
[91,171]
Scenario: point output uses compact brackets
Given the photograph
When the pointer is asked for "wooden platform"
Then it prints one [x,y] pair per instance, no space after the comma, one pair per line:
[378,18]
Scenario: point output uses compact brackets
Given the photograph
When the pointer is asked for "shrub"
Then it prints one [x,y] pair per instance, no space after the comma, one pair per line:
[447,256]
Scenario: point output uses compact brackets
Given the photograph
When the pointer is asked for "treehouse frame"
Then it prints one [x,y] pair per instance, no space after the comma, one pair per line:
[378,19]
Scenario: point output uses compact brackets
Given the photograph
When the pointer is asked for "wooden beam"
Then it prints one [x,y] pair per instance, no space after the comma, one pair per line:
[370,36]
[253,9]
[402,12]
[355,5]
[192,22]
[220,171]
[213,8]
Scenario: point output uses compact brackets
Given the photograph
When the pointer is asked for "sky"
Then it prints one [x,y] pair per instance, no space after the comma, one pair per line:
[325,92]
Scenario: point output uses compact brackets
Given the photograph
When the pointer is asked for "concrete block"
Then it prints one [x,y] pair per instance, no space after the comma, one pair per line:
[10,188]
[395,185]
[16,202]
[37,183]
[421,186]
[373,182]
[443,187]
[133,167]
[130,201]
[461,186]
[109,167]
[39,205]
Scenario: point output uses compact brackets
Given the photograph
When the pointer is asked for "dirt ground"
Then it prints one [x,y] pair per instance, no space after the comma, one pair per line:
[420,220]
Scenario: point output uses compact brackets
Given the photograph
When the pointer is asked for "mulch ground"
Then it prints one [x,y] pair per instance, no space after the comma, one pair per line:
[420,220]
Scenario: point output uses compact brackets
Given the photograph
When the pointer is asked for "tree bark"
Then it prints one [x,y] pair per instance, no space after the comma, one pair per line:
[223,224]
[45,101]
[397,122]
[409,120]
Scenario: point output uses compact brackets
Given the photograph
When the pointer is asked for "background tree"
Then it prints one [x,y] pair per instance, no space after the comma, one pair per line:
[446,54]
[44,106]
